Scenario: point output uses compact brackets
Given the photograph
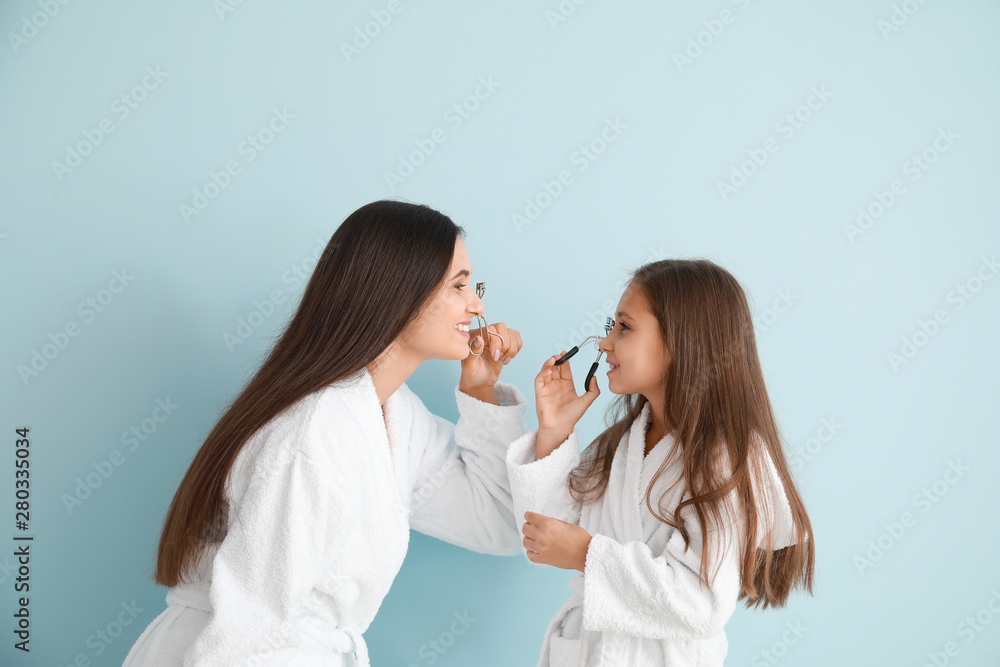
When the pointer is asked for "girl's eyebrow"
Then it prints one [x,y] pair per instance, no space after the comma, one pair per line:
[463,272]
[622,313]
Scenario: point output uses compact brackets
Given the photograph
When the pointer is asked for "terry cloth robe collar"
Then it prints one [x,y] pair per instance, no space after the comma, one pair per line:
[623,521]
[389,439]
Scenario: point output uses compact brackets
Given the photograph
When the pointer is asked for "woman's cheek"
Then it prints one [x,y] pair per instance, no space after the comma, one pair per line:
[457,304]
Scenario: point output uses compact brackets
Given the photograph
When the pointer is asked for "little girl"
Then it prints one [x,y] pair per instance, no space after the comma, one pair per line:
[684,505]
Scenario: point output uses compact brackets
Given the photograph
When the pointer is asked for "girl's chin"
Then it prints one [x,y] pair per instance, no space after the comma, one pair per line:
[613,385]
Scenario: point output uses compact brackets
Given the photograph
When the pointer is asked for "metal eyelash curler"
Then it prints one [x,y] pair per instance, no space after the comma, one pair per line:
[483,324]
[576,348]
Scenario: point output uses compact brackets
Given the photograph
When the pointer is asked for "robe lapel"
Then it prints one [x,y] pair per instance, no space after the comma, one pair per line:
[398,416]
[633,475]
[626,483]
[389,433]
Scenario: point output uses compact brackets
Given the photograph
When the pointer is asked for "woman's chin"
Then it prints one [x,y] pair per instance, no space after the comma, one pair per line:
[454,353]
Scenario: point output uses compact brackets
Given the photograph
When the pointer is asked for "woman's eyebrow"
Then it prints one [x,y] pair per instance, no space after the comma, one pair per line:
[622,313]
[463,272]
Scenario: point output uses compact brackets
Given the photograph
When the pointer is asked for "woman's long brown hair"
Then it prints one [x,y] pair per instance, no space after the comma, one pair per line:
[717,404]
[379,268]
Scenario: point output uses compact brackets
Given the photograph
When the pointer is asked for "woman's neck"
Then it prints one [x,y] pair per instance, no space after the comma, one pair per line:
[390,370]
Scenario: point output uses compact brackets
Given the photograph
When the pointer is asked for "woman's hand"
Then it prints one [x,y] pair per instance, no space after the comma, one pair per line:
[557,405]
[481,371]
[550,541]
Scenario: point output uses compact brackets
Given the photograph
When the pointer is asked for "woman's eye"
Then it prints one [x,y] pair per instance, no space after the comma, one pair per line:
[624,326]
[460,286]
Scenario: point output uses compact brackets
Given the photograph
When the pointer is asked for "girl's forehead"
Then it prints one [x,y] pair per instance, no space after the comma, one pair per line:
[631,303]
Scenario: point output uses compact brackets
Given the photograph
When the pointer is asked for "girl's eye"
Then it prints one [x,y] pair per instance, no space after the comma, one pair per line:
[460,286]
[624,326]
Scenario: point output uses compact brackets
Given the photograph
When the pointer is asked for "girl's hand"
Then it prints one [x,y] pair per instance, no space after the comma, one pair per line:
[550,541]
[556,403]
[481,371]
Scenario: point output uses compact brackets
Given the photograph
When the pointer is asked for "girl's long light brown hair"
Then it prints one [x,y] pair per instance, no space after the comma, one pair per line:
[377,271]
[718,406]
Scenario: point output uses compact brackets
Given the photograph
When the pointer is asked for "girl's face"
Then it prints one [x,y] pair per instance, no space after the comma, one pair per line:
[635,349]
[436,333]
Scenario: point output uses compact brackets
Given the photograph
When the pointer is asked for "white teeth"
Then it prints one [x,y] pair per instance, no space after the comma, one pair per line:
[462,327]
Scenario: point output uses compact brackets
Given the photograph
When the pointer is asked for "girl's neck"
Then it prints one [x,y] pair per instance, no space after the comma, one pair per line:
[657,428]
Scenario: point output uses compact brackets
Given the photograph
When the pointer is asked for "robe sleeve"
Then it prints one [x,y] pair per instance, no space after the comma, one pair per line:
[269,561]
[629,589]
[543,486]
[461,493]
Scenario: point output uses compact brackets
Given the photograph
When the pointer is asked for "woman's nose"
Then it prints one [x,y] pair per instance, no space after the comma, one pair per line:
[476,306]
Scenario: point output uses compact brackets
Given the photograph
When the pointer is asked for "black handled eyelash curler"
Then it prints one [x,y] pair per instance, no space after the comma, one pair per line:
[483,324]
[576,348]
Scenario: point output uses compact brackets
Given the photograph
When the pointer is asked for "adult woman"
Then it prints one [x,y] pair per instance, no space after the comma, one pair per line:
[293,519]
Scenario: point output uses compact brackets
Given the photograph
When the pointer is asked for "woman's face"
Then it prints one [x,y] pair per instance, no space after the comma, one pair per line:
[635,349]
[436,334]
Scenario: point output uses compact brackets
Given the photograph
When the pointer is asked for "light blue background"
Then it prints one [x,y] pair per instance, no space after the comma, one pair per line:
[652,193]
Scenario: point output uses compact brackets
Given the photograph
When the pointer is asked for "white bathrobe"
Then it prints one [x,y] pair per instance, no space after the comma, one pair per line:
[638,601]
[322,501]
